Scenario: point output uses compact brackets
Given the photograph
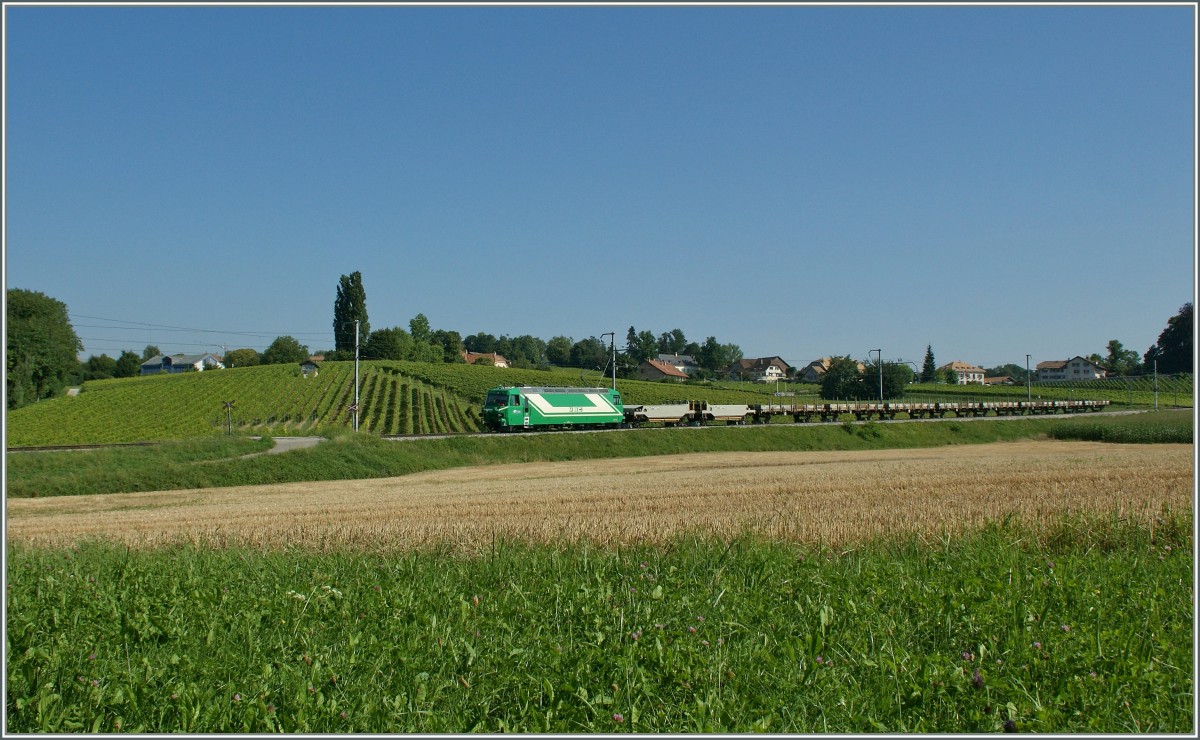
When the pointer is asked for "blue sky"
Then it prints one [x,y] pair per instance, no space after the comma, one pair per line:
[801,181]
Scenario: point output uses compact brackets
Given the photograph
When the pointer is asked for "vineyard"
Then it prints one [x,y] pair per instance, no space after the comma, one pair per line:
[274,400]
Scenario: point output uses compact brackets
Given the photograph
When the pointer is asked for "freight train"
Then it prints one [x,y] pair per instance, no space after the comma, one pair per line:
[515,408]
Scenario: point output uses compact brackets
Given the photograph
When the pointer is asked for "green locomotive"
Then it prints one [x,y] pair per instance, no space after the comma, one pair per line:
[510,408]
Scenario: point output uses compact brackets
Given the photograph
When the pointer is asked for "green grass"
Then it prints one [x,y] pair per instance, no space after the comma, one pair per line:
[1152,427]
[347,456]
[1084,627]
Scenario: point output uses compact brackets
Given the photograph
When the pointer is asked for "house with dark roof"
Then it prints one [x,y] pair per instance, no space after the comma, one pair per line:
[1076,368]
[759,369]
[181,364]
[682,363]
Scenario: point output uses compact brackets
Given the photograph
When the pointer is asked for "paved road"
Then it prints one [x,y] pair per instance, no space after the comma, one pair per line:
[286,444]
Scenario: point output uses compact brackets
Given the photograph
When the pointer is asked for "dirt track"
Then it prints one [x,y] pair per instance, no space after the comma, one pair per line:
[834,497]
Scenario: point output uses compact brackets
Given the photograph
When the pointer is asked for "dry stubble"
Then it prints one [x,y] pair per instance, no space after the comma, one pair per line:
[833,497]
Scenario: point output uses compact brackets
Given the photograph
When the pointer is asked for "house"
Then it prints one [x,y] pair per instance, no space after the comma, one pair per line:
[966,372]
[659,370]
[760,369]
[682,363]
[309,367]
[815,370]
[181,364]
[496,360]
[999,380]
[1076,368]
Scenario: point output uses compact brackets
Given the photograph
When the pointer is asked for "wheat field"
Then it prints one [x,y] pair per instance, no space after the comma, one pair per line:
[835,498]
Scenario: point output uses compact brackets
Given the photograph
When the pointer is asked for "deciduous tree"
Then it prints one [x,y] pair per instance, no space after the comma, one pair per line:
[244,357]
[1120,361]
[389,344]
[40,349]
[558,351]
[285,350]
[842,380]
[1173,350]
[128,365]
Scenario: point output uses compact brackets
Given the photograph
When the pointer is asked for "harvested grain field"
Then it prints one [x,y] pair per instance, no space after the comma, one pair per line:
[832,497]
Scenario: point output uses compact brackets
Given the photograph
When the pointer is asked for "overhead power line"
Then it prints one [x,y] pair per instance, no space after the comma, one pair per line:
[135,325]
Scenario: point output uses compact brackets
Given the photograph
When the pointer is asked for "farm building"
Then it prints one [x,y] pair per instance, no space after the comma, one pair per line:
[658,370]
[309,367]
[1076,368]
[966,372]
[181,364]
[497,360]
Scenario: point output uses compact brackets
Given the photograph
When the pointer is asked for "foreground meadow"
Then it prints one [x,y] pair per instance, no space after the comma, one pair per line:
[1037,586]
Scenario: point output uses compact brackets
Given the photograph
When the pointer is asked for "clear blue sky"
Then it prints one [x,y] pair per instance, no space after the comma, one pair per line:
[801,181]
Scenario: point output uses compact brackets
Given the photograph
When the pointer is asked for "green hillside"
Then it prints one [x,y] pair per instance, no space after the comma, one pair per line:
[395,398]
[277,400]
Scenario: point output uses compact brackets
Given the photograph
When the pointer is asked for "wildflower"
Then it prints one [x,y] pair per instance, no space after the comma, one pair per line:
[659,625]
[636,634]
[95,683]
[977,680]
[699,619]
[820,660]
[1037,645]
[270,709]
[704,643]
[92,656]
[237,697]
[174,697]
[692,630]
[1066,628]
[343,714]
[643,566]
[618,717]
[968,656]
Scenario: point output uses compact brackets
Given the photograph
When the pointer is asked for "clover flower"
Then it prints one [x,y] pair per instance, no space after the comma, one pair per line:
[618,717]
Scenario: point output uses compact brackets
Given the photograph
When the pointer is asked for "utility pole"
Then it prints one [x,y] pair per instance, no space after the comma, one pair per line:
[228,417]
[356,375]
[1028,381]
[879,362]
[613,342]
